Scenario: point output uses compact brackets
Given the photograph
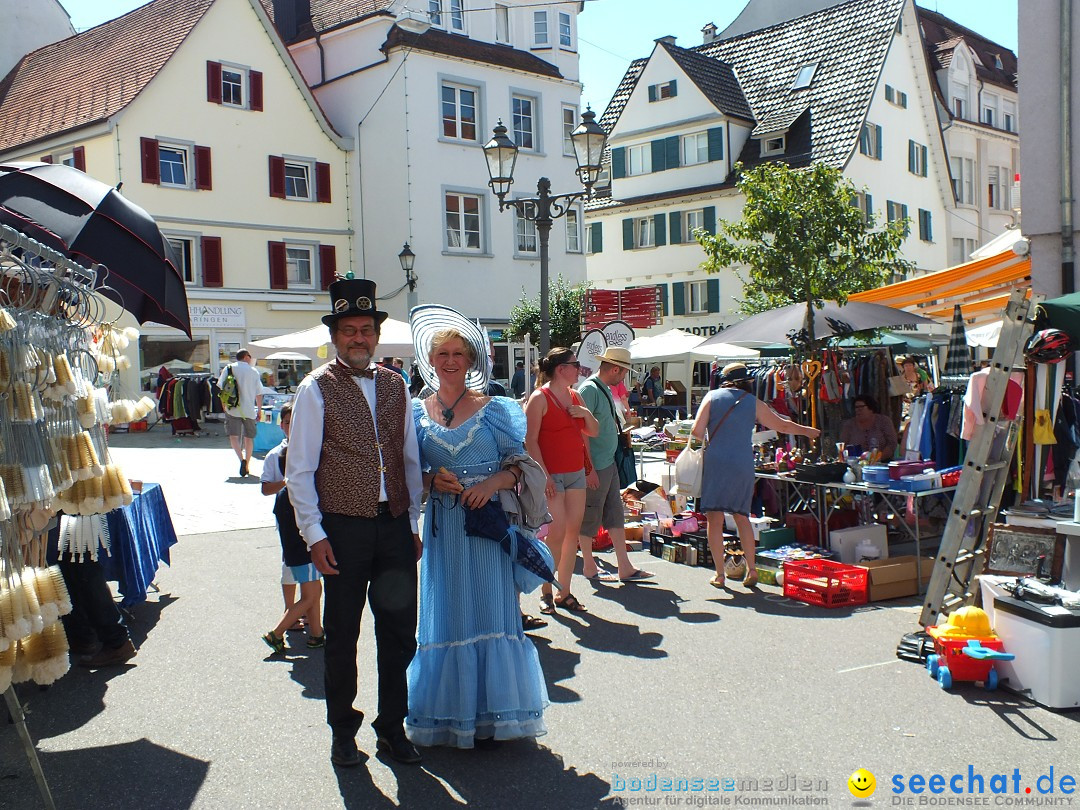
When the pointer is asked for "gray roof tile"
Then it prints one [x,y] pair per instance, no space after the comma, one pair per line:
[715,78]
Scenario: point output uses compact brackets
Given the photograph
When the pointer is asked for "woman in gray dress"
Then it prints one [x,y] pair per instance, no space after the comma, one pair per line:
[728,415]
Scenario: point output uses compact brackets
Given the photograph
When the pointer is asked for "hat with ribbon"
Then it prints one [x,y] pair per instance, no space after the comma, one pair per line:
[733,373]
[617,356]
[350,297]
[426,321]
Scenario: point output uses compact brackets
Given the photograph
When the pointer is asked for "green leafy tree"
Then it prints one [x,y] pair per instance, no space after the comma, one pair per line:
[566,302]
[803,240]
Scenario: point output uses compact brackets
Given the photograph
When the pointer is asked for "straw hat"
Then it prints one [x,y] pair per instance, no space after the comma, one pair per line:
[428,320]
[617,356]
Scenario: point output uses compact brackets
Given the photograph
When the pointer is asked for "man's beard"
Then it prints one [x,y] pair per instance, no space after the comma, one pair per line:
[357,357]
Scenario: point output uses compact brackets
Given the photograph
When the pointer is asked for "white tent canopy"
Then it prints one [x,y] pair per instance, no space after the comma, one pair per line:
[395,340]
[675,344]
[986,335]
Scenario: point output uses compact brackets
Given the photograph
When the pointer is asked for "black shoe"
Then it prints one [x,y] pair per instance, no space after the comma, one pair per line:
[343,751]
[84,649]
[398,748]
[243,468]
[110,656]
[486,743]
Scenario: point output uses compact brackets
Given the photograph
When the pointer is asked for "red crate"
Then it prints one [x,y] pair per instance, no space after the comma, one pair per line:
[825,583]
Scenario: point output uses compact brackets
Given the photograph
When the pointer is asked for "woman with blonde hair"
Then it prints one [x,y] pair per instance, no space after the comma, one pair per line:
[558,423]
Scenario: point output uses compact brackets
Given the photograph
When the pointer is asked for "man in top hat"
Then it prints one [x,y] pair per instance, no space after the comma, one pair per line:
[353,471]
[603,499]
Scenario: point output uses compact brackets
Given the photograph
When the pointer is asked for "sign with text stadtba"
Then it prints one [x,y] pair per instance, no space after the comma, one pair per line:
[213,315]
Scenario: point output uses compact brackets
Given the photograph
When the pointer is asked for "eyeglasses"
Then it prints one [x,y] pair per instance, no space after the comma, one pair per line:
[352,331]
[860,406]
[575,363]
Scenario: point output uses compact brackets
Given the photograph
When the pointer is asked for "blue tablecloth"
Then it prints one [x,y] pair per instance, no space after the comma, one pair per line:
[141,534]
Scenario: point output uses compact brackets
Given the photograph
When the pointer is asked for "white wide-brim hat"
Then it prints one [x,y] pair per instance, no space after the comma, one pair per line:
[429,319]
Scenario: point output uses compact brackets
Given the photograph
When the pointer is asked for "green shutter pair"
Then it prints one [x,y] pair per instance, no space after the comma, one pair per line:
[915,152]
[712,296]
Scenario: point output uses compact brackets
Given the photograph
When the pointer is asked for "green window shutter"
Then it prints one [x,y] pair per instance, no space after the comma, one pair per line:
[660,223]
[671,146]
[618,162]
[712,289]
[628,234]
[597,237]
[904,216]
[675,226]
[877,154]
[674,88]
[663,299]
[922,149]
[678,297]
[659,155]
[869,207]
[716,143]
[911,147]
[652,92]
[709,213]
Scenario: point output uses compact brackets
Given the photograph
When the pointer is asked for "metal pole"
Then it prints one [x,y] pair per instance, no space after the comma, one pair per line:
[19,719]
[543,228]
[410,299]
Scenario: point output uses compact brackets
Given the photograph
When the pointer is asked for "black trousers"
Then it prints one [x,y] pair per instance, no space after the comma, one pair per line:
[376,559]
[94,615]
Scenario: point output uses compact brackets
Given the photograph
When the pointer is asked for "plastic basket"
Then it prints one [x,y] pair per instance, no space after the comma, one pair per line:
[825,583]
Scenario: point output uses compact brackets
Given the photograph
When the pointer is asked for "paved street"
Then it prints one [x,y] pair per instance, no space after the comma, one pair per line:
[672,679]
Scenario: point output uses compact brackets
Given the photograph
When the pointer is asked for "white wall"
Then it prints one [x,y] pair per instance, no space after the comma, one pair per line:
[27,25]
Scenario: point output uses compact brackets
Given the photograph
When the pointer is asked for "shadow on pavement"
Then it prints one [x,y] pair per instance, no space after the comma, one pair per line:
[478,779]
[776,604]
[142,617]
[558,665]
[602,635]
[648,598]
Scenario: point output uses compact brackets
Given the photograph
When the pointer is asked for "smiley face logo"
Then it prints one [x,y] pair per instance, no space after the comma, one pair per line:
[862,784]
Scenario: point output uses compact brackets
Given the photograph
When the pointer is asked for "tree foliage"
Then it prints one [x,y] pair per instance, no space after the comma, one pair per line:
[566,302]
[802,239]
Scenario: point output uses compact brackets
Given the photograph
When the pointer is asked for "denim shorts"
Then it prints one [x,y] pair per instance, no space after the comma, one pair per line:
[570,480]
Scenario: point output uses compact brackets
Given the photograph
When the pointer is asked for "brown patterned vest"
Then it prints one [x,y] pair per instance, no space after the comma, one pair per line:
[347,479]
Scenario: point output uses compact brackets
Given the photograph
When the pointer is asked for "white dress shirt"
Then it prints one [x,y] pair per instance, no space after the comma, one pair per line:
[305,449]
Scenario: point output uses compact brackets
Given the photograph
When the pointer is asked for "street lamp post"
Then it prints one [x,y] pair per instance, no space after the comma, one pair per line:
[407,259]
[543,209]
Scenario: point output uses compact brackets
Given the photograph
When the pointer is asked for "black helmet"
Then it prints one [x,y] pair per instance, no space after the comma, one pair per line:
[1048,346]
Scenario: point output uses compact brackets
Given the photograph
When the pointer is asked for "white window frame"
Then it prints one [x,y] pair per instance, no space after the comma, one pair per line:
[533,131]
[868,137]
[693,220]
[917,161]
[65,159]
[898,98]
[697,297]
[455,13]
[1008,116]
[541,30]
[644,233]
[639,156]
[990,114]
[526,237]
[590,248]
[309,171]
[573,230]
[959,103]
[569,124]
[435,12]
[566,30]
[187,151]
[194,263]
[861,200]
[245,86]
[996,187]
[698,144]
[459,124]
[502,23]
[461,231]
[776,145]
[310,248]
[805,76]
[963,174]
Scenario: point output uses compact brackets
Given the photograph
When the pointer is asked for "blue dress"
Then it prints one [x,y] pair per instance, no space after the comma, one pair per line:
[475,673]
[727,483]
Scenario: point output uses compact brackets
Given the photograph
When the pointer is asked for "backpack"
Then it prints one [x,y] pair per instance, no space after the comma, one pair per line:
[230,390]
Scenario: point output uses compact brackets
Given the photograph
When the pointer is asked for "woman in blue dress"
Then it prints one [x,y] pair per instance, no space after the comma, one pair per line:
[728,415]
[476,677]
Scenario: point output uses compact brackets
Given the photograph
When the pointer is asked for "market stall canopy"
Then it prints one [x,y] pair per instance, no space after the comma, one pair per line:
[171,365]
[286,356]
[831,320]
[93,223]
[1062,313]
[395,340]
[986,335]
[674,344]
[981,287]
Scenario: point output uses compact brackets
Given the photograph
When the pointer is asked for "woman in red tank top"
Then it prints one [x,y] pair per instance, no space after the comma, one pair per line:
[558,424]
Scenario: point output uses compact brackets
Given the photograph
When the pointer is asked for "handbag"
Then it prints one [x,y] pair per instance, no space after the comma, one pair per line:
[625,461]
[898,386]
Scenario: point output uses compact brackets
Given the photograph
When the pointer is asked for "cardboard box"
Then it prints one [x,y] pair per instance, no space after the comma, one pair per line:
[679,397]
[895,577]
[844,541]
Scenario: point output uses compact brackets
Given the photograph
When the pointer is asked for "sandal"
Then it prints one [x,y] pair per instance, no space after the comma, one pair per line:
[547,604]
[274,642]
[717,582]
[531,622]
[571,603]
[315,642]
[750,580]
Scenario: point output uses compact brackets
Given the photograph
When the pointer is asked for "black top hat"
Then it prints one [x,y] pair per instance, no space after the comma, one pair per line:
[350,297]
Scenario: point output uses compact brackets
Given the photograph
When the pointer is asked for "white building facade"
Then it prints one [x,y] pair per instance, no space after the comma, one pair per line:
[29,24]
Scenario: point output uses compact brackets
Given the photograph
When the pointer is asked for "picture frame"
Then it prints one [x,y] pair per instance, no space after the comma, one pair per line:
[1015,551]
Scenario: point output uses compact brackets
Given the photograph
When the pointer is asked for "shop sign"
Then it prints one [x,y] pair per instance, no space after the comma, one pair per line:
[702,331]
[213,315]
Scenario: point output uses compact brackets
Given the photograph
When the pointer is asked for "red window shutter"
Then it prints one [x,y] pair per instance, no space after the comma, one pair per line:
[151,167]
[322,182]
[256,90]
[46,158]
[78,155]
[213,82]
[327,264]
[202,168]
[279,274]
[212,273]
[277,176]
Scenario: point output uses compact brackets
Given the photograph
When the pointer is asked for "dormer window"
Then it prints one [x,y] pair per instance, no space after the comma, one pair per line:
[997,62]
[449,14]
[804,76]
[659,92]
[772,146]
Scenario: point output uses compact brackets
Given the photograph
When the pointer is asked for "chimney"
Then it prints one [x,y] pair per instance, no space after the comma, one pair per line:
[291,17]
[669,39]
[708,33]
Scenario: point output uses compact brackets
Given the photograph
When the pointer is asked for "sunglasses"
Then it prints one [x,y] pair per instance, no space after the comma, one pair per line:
[575,363]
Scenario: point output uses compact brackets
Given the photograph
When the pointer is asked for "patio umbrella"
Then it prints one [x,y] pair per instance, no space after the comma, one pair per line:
[957,356]
[93,223]
[832,320]
[1062,313]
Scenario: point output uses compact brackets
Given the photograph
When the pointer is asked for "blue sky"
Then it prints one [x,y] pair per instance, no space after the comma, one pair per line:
[613,32]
